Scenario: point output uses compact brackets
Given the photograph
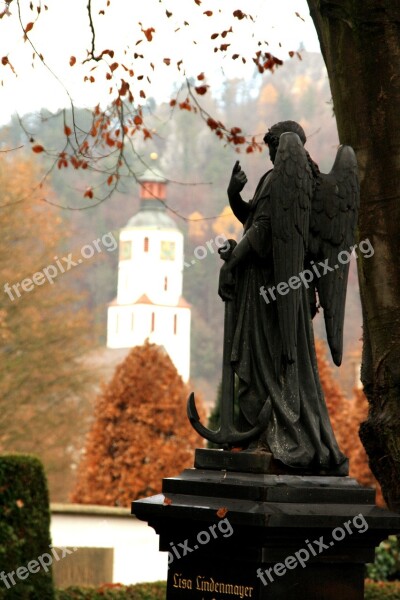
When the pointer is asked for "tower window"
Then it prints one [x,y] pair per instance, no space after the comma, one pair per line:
[167,250]
[125,250]
[165,284]
[153,322]
[146,244]
[175,324]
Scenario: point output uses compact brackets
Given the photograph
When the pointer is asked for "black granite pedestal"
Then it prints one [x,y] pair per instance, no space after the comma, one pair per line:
[265,536]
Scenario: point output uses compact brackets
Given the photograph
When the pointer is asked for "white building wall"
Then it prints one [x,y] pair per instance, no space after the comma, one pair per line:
[145,272]
[136,555]
[177,345]
[128,326]
[131,325]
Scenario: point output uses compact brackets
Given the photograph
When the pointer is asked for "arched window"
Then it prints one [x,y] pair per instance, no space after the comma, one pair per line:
[132,321]
[175,324]
[146,244]
[153,322]
[165,284]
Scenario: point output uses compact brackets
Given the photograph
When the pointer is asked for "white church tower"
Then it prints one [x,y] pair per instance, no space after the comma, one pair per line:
[149,302]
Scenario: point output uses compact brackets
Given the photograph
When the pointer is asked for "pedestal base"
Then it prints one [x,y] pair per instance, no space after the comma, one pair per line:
[250,461]
[251,535]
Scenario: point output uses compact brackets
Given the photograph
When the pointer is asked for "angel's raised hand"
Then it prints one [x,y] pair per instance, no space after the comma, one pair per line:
[238,180]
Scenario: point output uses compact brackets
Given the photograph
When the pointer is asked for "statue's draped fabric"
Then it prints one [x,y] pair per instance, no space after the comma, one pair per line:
[299,432]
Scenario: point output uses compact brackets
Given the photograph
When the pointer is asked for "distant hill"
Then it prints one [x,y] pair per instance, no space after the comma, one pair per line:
[199,167]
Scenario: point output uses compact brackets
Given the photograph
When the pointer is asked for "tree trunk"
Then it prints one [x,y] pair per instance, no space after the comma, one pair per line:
[360,42]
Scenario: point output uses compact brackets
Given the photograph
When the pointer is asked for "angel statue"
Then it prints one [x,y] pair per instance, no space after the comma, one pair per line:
[297,228]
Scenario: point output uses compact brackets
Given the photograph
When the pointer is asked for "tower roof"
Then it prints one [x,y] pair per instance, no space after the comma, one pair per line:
[152,174]
[152,213]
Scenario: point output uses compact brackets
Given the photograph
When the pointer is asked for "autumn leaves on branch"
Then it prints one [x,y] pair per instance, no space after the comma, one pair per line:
[107,144]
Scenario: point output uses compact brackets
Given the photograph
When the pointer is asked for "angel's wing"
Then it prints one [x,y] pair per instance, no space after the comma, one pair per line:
[333,222]
[291,194]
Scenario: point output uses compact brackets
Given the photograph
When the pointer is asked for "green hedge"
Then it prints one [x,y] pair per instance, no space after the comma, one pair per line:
[24,527]
[382,590]
[386,566]
[143,591]
[374,590]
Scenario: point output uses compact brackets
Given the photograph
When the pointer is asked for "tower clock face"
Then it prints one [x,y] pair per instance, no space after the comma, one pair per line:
[167,250]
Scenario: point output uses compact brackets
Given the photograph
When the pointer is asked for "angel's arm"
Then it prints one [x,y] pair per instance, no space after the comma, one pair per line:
[239,207]
[257,239]
[226,276]
[239,253]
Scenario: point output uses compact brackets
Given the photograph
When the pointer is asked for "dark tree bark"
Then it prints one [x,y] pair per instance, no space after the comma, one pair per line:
[360,42]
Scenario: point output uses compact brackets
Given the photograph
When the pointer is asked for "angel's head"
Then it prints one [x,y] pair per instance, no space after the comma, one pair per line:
[273,134]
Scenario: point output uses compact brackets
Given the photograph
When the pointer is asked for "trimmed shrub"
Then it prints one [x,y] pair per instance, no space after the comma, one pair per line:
[24,527]
[382,590]
[142,591]
[386,566]
[374,590]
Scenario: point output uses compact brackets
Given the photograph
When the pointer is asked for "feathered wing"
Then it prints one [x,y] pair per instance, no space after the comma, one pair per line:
[333,222]
[291,194]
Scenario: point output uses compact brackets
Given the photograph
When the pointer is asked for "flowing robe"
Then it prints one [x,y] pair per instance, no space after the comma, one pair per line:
[299,433]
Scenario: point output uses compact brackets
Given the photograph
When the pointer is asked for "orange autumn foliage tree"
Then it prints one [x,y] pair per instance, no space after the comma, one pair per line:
[358,457]
[335,401]
[140,432]
[346,417]
[44,331]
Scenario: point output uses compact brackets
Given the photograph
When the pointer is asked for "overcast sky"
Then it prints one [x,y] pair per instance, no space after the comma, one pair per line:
[63,31]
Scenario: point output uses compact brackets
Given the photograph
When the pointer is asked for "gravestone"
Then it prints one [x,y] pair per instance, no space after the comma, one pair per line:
[265,536]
